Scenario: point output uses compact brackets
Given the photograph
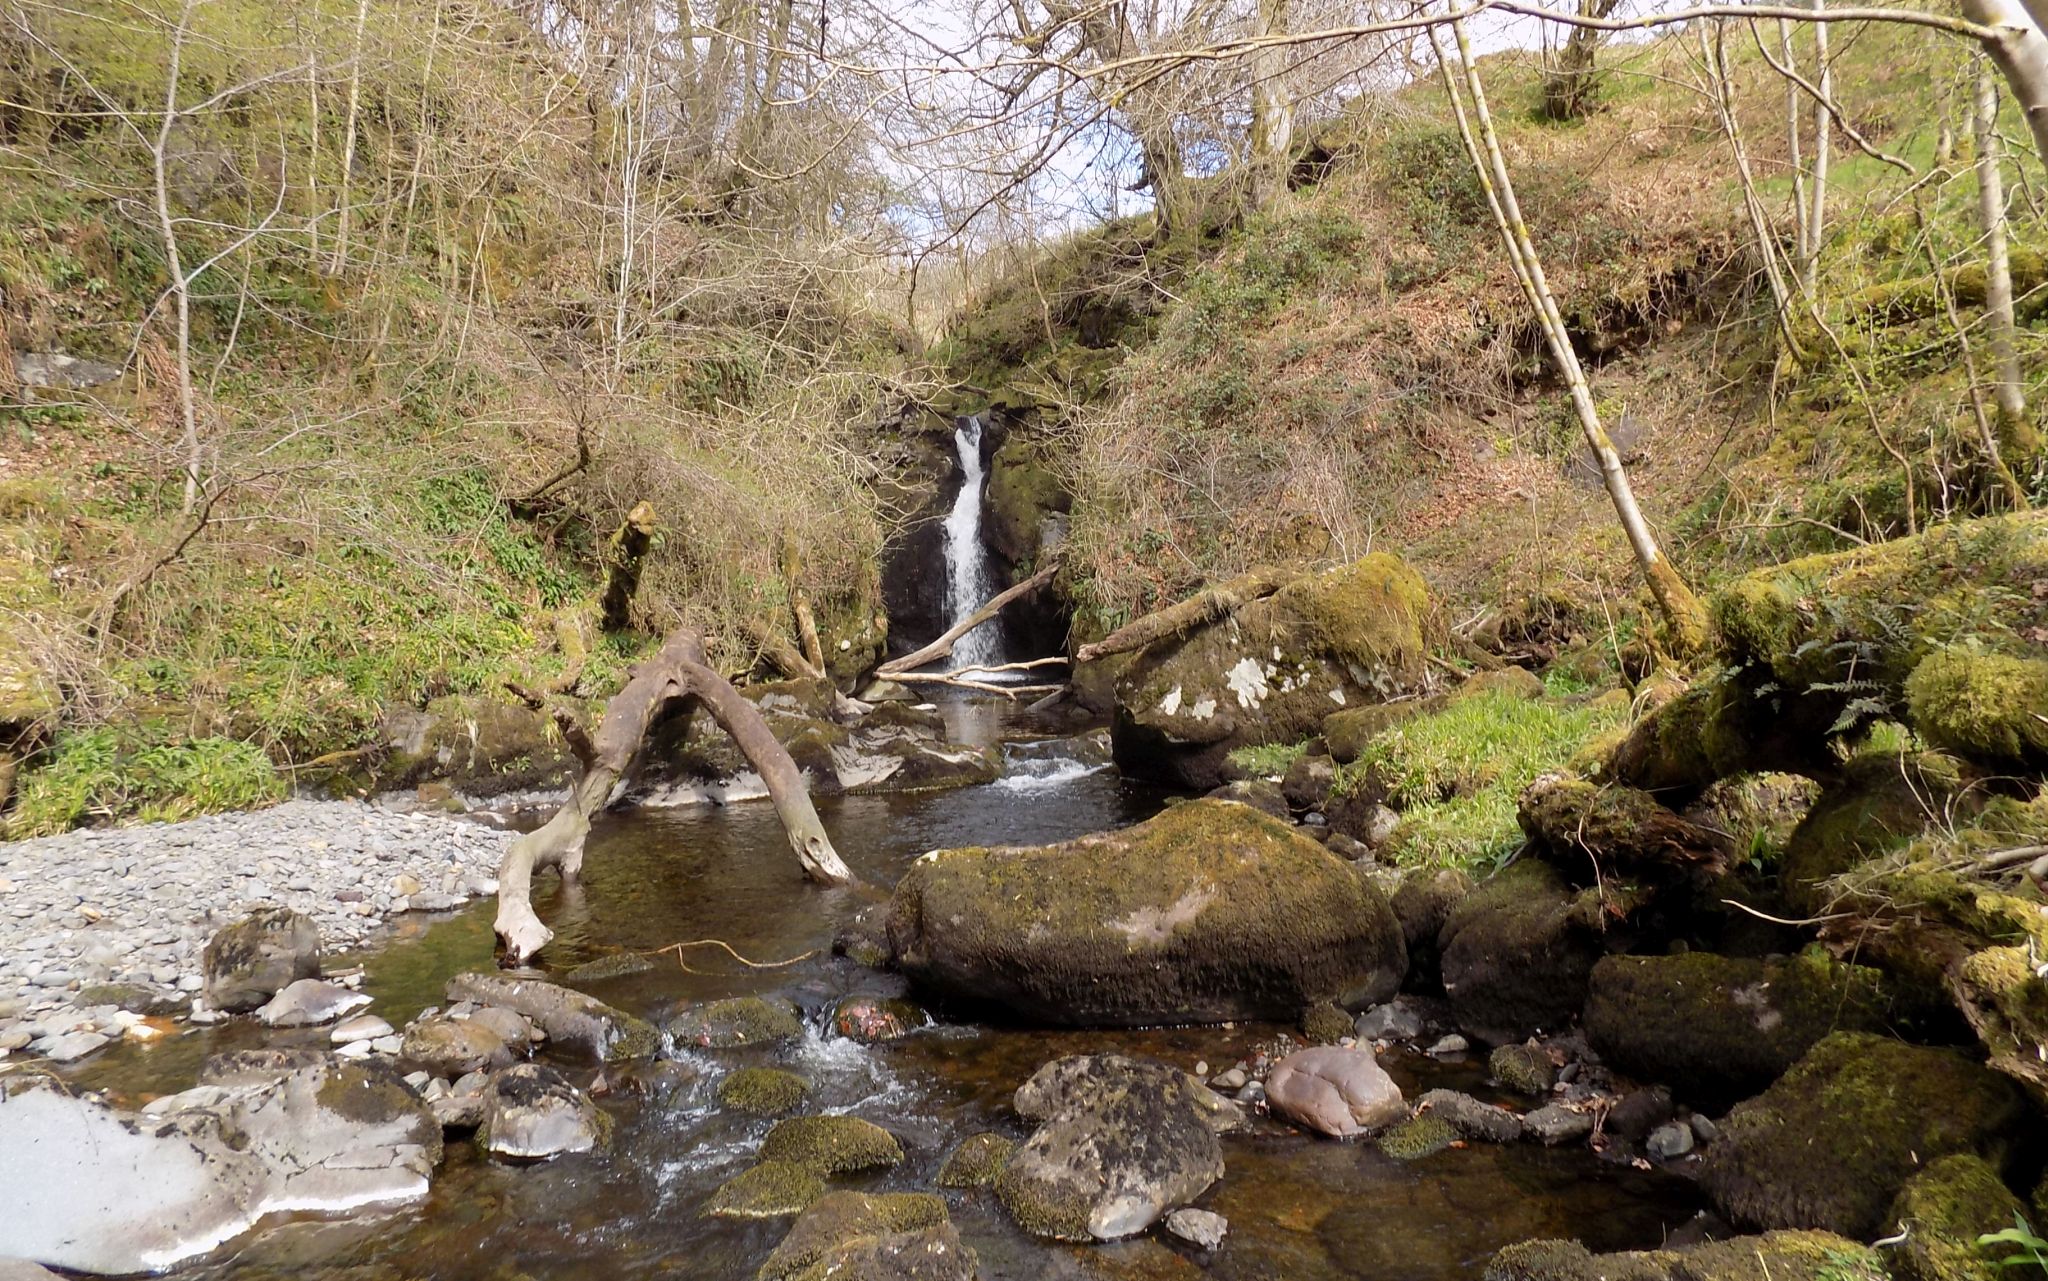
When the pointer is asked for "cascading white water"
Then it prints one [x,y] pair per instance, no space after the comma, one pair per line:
[968,581]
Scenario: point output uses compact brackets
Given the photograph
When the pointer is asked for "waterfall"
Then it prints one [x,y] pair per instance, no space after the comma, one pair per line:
[969,583]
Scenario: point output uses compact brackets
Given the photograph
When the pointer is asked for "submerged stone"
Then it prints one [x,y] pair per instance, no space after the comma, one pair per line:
[536,1115]
[860,1236]
[1207,913]
[735,1022]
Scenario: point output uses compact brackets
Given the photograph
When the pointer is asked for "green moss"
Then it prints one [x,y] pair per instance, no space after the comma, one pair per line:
[1716,1028]
[1774,1256]
[737,1021]
[1349,732]
[842,1219]
[1832,1142]
[763,1091]
[1266,760]
[1055,1210]
[1418,1137]
[1325,1024]
[1985,707]
[769,1190]
[1942,1211]
[976,1162]
[832,1144]
[1522,1068]
[1368,614]
[1879,804]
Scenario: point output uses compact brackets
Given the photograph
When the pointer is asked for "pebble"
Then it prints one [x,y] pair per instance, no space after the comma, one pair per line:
[1203,1229]
[1452,1044]
[1704,1129]
[1234,1079]
[363,1027]
[1670,1141]
[136,905]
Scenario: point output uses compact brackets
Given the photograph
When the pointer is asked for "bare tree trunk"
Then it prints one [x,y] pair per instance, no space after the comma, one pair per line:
[1204,606]
[2005,359]
[1802,239]
[1272,141]
[1568,88]
[943,646]
[1684,618]
[1823,126]
[2021,52]
[1713,50]
[348,144]
[676,672]
[174,263]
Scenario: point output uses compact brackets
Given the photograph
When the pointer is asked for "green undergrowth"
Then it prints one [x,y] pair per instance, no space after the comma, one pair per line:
[1267,760]
[102,773]
[1455,774]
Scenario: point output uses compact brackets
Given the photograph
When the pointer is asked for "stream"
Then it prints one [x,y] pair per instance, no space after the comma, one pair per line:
[1299,1207]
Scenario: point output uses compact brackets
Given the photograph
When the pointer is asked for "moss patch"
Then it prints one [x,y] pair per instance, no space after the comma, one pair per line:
[976,1162]
[763,1091]
[1325,1024]
[843,1218]
[769,1190]
[832,1144]
[737,1021]
[1522,1068]
[1984,707]
[1418,1137]
[1367,614]
[1943,1210]
[1774,1256]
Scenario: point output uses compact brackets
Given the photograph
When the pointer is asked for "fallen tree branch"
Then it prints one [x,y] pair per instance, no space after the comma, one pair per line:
[777,650]
[109,611]
[1182,617]
[2002,859]
[956,681]
[677,671]
[943,646]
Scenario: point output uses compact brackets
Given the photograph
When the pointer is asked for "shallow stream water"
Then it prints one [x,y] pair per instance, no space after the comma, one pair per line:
[1299,1207]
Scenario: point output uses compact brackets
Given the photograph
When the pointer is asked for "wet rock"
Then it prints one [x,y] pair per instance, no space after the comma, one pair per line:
[69,1047]
[1941,1212]
[1207,913]
[1518,953]
[452,1047]
[536,1115]
[1472,1118]
[1449,1046]
[1425,1134]
[132,997]
[1202,1229]
[976,1162]
[1325,1024]
[1597,831]
[1669,1141]
[258,956]
[770,1190]
[1261,795]
[1121,1142]
[735,1022]
[832,1144]
[1270,672]
[1306,784]
[860,1236]
[466,1105]
[309,1003]
[1522,1068]
[1638,1112]
[620,966]
[1423,899]
[1718,1029]
[1554,1124]
[508,1026]
[92,1189]
[873,1019]
[1774,1256]
[763,1091]
[1333,1091]
[1832,1142]
[570,1018]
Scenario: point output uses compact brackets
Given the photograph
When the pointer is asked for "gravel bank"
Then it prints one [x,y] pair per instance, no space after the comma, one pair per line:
[135,906]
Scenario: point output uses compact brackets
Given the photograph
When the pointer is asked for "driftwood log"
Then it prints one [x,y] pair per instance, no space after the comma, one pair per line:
[678,671]
[1205,606]
[943,646]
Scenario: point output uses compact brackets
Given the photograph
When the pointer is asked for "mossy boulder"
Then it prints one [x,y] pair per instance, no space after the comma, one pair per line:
[1717,1029]
[737,1021]
[1774,1256]
[763,1091]
[1271,672]
[1325,1024]
[478,743]
[1423,899]
[1880,803]
[1208,912]
[770,1190]
[1023,491]
[862,1236]
[1942,1211]
[872,1019]
[977,1161]
[1984,707]
[1525,1069]
[1417,1137]
[1594,832]
[832,1144]
[1518,952]
[1350,731]
[1832,1142]
[1120,1143]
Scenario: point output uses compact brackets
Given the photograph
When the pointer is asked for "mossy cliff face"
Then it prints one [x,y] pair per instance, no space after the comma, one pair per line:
[1518,952]
[1023,492]
[1942,1211]
[1271,672]
[1717,1028]
[1835,1139]
[1774,1256]
[1209,912]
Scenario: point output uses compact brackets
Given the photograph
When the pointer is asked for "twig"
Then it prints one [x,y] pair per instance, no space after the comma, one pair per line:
[677,948]
[1779,920]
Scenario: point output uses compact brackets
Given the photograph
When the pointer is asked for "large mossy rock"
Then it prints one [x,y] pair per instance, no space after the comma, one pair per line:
[1880,803]
[1518,951]
[481,745]
[1592,833]
[1941,1212]
[1270,672]
[1120,1142]
[1774,1256]
[1830,1145]
[861,1236]
[1207,913]
[1943,627]
[1717,1029]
